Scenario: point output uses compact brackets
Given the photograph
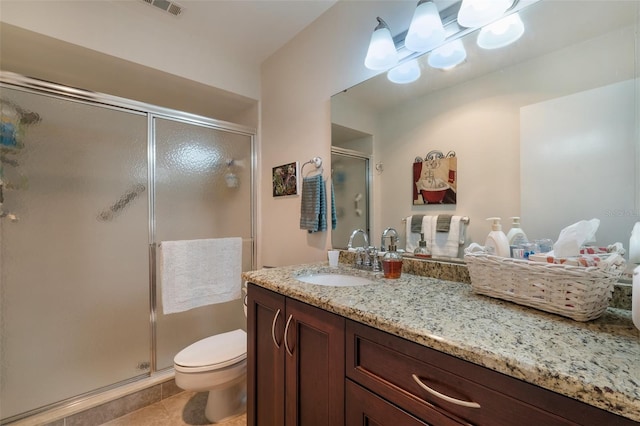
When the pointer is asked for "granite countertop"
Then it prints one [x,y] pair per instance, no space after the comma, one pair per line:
[597,362]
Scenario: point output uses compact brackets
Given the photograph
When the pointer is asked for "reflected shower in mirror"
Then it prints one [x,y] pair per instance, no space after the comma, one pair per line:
[351,182]
[544,129]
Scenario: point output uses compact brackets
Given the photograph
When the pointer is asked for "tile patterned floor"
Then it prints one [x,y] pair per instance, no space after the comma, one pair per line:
[183,409]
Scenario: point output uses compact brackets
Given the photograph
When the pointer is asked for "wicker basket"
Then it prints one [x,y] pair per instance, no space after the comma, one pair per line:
[577,292]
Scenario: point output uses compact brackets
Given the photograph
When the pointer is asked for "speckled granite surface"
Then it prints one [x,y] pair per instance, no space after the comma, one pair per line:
[597,362]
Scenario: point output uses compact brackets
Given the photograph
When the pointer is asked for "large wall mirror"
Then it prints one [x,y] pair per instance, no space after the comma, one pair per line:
[545,128]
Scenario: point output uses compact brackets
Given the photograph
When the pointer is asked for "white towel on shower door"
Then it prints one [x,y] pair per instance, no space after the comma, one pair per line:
[196,273]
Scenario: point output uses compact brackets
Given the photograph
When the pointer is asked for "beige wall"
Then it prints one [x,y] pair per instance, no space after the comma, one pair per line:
[297,84]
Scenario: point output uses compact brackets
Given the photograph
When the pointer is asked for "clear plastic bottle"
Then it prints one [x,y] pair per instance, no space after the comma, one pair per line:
[392,263]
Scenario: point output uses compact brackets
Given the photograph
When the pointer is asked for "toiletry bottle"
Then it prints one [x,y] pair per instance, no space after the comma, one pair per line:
[392,263]
[496,240]
[634,244]
[422,250]
[516,235]
[635,298]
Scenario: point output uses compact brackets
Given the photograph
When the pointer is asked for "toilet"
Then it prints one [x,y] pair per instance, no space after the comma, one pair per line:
[218,365]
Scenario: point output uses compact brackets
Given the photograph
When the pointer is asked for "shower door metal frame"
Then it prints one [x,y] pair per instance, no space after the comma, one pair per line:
[34,86]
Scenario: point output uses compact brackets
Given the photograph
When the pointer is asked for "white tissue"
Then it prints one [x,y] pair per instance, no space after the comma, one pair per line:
[574,236]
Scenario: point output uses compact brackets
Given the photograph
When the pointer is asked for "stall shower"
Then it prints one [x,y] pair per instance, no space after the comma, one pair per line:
[90,185]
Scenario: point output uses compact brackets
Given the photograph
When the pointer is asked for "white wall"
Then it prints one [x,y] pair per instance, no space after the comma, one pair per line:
[123,29]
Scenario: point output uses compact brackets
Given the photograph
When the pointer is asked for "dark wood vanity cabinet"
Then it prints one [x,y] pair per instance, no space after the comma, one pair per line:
[440,389]
[308,367]
[295,362]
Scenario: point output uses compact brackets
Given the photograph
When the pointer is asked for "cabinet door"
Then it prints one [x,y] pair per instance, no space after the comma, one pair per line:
[314,341]
[364,408]
[265,357]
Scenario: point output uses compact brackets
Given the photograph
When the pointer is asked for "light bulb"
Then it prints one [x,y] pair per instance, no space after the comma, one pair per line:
[478,13]
[448,56]
[404,73]
[501,33]
[426,30]
[381,54]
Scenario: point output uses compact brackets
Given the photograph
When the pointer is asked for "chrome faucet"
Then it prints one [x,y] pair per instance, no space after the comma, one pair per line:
[366,256]
[364,235]
[389,232]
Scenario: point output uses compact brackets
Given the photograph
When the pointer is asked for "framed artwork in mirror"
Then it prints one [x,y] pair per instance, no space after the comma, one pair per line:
[435,178]
[285,180]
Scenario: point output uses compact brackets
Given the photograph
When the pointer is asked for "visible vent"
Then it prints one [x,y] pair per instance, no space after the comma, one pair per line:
[168,6]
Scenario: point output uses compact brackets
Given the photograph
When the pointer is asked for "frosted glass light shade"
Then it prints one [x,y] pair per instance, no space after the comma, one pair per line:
[478,13]
[404,73]
[381,54]
[501,33]
[426,30]
[448,56]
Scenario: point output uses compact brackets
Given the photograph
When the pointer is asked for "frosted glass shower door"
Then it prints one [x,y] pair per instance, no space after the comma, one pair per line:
[74,262]
[203,190]
[350,176]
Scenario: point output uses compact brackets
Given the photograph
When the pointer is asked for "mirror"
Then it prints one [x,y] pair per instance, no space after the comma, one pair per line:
[545,128]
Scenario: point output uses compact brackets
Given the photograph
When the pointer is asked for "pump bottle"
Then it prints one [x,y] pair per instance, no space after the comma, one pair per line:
[516,235]
[392,263]
[497,241]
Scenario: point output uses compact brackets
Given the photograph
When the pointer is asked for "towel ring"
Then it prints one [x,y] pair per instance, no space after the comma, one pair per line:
[316,161]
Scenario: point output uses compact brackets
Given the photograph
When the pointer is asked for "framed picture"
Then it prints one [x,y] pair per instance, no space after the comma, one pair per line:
[285,180]
[435,179]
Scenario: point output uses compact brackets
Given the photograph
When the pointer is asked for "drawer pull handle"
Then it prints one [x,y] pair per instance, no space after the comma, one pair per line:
[286,333]
[273,329]
[443,396]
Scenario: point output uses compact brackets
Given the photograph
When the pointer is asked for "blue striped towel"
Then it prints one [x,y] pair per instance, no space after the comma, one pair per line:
[334,216]
[313,205]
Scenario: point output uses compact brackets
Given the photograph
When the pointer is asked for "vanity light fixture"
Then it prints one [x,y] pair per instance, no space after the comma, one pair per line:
[407,72]
[478,13]
[448,56]
[426,30]
[501,33]
[382,53]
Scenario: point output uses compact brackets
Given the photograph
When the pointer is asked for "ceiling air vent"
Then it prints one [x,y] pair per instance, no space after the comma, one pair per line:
[168,6]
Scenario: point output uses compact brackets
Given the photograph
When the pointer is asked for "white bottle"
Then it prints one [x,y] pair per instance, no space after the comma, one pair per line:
[635,298]
[634,244]
[497,240]
[516,235]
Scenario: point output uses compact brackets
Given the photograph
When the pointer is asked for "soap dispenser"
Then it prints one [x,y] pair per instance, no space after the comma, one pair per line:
[392,263]
[634,244]
[422,250]
[516,235]
[497,241]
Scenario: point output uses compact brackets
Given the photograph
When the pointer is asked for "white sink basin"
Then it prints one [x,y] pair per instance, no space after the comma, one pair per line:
[335,280]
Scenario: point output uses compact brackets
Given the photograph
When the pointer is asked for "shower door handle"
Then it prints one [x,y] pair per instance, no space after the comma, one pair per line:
[273,329]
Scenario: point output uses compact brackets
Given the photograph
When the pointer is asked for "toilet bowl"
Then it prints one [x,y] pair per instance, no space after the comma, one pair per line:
[218,365]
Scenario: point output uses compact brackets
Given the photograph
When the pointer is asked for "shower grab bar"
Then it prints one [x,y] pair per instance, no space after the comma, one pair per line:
[129,196]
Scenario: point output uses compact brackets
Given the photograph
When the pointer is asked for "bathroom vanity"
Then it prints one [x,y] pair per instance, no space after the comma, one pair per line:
[424,351]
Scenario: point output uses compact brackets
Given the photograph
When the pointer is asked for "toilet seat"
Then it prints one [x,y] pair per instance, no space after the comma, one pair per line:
[212,353]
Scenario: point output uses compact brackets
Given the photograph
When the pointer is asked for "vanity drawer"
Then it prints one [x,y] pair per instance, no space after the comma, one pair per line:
[391,367]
